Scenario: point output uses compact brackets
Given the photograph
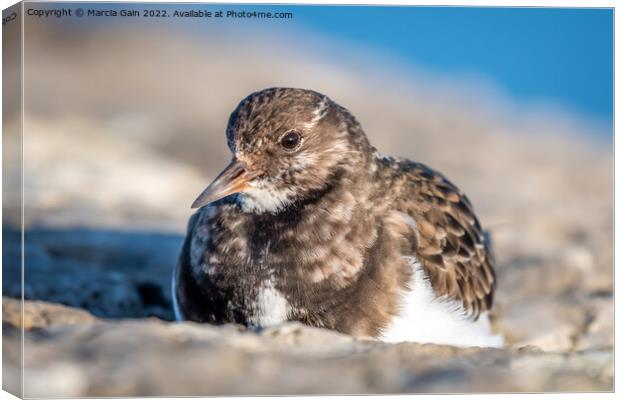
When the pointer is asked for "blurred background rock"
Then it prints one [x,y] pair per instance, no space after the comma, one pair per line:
[124,126]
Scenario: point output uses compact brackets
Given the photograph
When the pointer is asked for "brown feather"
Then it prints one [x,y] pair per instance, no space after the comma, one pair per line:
[452,249]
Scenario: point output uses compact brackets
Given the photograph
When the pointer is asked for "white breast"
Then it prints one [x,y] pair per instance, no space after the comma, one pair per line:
[425,318]
[270,307]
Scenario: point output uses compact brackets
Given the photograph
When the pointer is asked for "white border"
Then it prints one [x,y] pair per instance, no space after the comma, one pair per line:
[479,3]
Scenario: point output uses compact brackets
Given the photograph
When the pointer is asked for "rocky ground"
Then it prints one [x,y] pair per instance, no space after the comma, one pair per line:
[112,166]
[71,353]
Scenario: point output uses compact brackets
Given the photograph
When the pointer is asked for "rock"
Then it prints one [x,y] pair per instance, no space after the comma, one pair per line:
[545,299]
[148,357]
[598,330]
[551,327]
[39,314]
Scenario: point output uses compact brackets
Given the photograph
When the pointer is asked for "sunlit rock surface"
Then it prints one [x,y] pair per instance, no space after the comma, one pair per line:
[78,355]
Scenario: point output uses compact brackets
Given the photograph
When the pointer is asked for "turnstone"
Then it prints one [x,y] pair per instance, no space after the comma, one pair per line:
[310,223]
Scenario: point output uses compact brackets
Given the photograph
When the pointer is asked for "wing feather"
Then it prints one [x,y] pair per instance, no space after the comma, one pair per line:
[452,247]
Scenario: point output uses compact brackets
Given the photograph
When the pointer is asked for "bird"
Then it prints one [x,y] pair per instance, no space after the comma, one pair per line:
[310,223]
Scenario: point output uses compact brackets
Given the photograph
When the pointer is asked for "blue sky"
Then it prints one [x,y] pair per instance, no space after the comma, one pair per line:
[563,56]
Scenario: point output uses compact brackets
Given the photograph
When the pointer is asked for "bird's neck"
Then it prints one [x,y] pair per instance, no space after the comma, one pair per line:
[338,191]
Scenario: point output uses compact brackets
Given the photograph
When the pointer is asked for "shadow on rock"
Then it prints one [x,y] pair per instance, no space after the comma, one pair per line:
[112,274]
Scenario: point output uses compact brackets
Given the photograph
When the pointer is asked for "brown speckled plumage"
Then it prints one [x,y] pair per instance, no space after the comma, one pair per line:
[330,225]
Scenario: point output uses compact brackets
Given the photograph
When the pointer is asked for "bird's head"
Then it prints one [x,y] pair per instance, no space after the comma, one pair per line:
[286,144]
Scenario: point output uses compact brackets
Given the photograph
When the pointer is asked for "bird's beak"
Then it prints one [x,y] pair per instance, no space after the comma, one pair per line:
[233,179]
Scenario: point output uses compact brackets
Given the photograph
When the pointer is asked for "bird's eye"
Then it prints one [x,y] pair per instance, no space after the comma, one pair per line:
[290,140]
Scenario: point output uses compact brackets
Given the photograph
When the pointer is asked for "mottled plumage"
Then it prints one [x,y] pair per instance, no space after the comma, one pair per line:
[310,223]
